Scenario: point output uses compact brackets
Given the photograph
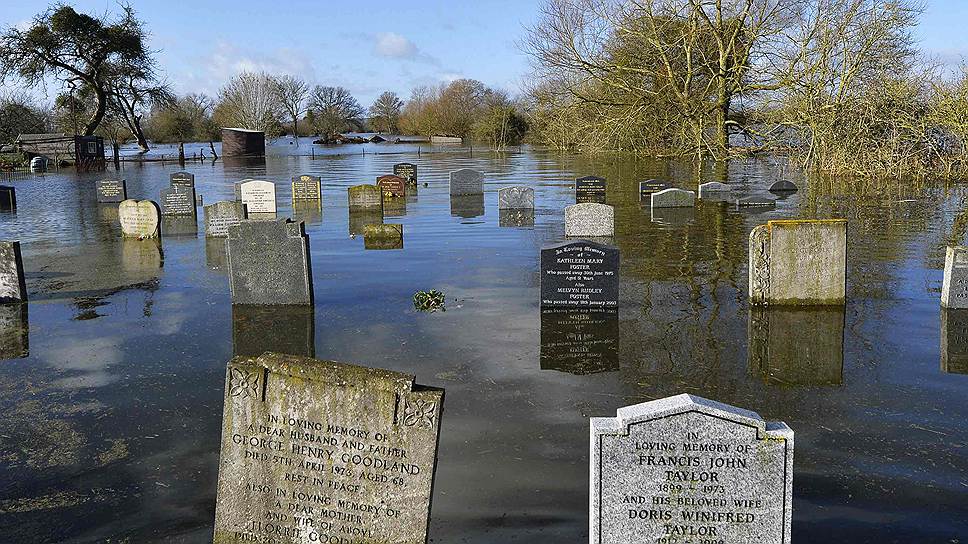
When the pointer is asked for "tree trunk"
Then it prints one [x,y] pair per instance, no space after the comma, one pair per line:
[100,106]
[295,128]
[117,155]
[181,153]
[139,134]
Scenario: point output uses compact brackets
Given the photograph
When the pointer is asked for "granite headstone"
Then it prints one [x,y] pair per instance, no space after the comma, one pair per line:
[466,182]
[392,186]
[185,179]
[673,198]
[365,197]
[8,199]
[590,190]
[647,187]
[407,171]
[579,274]
[516,217]
[714,190]
[798,263]
[589,220]
[178,200]
[222,215]
[268,263]
[515,198]
[111,190]
[13,286]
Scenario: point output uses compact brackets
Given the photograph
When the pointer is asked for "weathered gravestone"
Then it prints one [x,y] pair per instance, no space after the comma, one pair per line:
[954,341]
[579,274]
[268,263]
[647,187]
[799,262]
[13,286]
[222,215]
[258,196]
[184,179]
[407,171]
[590,189]
[280,329]
[783,186]
[673,198]
[365,197]
[954,287]
[515,198]
[714,189]
[796,347]
[755,202]
[111,190]
[686,469]
[306,188]
[139,219]
[320,451]
[516,217]
[392,186]
[14,331]
[466,182]
[383,236]
[589,219]
[579,341]
[178,200]
[8,198]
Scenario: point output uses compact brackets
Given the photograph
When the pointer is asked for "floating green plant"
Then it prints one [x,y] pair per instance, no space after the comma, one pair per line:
[428,301]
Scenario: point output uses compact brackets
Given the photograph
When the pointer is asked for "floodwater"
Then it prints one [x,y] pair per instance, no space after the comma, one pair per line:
[111,421]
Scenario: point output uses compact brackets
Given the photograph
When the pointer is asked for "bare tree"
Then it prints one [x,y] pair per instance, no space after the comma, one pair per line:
[292,94]
[133,90]
[385,112]
[334,111]
[249,101]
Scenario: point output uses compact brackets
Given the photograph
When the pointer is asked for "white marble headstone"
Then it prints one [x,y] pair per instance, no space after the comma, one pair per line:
[258,196]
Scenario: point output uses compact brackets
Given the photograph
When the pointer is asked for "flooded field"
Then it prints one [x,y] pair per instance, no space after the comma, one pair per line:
[111,419]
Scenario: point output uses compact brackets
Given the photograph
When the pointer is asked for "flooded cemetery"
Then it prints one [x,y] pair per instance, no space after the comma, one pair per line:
[159,380]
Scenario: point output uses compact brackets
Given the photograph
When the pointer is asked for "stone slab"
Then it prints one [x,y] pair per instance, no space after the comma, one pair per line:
[590,190]
[281,329]
[178,200]
[268,263]
[222,215]
[111,190]
[954,286]
[954,341]
[306,188]
[383,236]
[139,219]
[579,341]
[14,331]
[673,198]
[579,274]
[321,451]
[798,263]
[466,182]
[687,469]
[8,198]
[783,186]
[714,189]
[797,347]
[516,197]
[185,179]
[392,186]
[258,196]
[407,171]
[13,285]
[589,219]
[365,197]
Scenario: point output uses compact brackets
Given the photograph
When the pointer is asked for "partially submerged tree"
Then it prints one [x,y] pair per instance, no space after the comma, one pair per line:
[292,94]
[134,89]
[334,111]
[385,112]
[250,101]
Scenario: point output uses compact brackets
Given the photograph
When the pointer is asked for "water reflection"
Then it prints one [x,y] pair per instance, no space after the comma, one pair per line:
[673,217]
[579,341]
[362,218]
[467,206]
[517,218]
[954,341]
[308,211]
[179,226]
[283,329]
[14,331]
[394,207]
[797,346]
[141,257]
[215,254]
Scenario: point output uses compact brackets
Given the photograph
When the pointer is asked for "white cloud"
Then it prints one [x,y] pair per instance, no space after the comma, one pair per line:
[395,46]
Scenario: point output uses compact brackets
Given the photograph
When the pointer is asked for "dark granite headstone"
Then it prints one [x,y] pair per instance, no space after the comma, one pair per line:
[13,286]
[755,202]
[647,187]
[579,341]
[185,179]
[466,182]
[590,189]
[8,199]
[517,217]
[579,274]
[178,200]
[221,215]
[783,186]
[14,331]
[796,347]
[407,171]
[112,190]
[268,263]
[281,329]
[306,188]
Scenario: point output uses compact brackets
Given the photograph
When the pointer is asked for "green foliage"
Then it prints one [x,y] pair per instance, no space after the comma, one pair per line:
[428,301]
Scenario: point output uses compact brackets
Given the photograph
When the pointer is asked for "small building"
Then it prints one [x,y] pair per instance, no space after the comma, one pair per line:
[241,142]
[85,152]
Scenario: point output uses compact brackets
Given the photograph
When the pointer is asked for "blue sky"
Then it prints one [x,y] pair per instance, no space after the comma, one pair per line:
[374,45]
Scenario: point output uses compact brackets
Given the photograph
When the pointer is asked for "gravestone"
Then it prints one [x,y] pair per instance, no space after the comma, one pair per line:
[222,215]
[515,198]
[320,451]
[238,190]
[13,286]
[467,206]
[579,341]
[185,179]
[714,189]
[590,190]
[383,236]
[392,186]
[673,198]
[268,263]
[306,188]
[258,196]
[516,217]
[215,254]
[112,190]
[756,202]
[139,219]
[14,331]
[589,219]
[8,198]
[783,186]
[687,469]
[797,347]
[466,182]
[407,171]
[178,200]
[365,197]
[954,341]
[954,287]
[359,219]
[798,263]
[280,329]
[647,187]
[579,274]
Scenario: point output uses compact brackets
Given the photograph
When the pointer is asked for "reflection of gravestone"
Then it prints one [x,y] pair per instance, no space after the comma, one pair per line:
[359,219]
[589,220]
[268,263]
[365,197]
[466,182]
[383,236]
[954,287]
[13,286]
[686,469]
[579,274]
[516,217]
[673,198]
[467,206]
[184,179]
[280,329]
[110,190]
[714,190]
[8,199]
[798,262]
[139,219]
[590,189]
[178,200]
[141,258]
[579,341]
[797,346]
[306,188]
[954,341]
[222,215]
[14,331]
[319,451]
[407,171]
[258,196]
[308,211]
[215,254]
[515,198]
[673,217]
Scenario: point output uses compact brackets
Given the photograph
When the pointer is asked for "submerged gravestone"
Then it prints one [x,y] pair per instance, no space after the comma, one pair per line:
[13,286]
[954,287]
[407,171]
[392,186]
[179,225]
[178,200]
[222,215]
[111,190]
[798,262]
[579,341]
[797,347]
[184,179]
[687,469]
[320,451]
[579,274]
[673,198]
[139,219]
[383,236]
[268,263]
[714,189]
[516,217]
[8,198]
[590,189]
[589,220]
[466,182]
[306,188]
[649,186]
[258,196]
[783,186]
[755,202]
[515,197]
[365,197]
[14,331]
[954,341]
